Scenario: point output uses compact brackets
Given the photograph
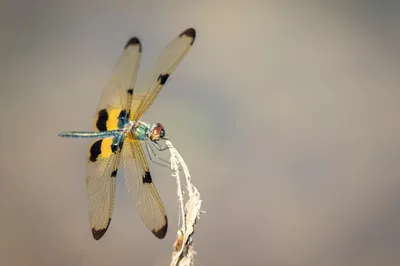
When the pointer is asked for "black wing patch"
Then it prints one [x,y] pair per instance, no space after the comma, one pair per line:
[147,178]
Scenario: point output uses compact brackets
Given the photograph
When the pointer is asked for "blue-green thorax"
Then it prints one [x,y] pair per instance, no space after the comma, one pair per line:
[141,131]
[144,131]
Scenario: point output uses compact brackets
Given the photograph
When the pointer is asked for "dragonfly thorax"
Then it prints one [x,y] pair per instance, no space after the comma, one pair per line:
[144,131]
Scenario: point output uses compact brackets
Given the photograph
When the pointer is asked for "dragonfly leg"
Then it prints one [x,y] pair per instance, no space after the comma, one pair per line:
[152,153]
[159,147]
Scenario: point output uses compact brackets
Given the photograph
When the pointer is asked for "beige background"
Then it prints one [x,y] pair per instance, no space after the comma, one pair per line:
[286,113]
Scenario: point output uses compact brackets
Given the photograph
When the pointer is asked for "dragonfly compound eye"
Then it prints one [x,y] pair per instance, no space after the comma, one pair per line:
[158,132]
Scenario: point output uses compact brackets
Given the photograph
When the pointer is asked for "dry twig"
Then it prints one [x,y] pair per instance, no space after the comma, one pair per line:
[183,255]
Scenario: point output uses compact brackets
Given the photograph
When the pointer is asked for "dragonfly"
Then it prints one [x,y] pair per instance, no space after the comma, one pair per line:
[120,132]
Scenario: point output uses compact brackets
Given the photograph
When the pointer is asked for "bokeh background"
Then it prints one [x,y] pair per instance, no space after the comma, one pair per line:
[287,113]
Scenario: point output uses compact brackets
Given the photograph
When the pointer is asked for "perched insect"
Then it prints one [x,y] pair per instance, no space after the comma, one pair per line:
[119,131]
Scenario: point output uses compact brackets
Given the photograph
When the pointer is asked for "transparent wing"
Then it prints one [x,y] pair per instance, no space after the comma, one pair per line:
[118,92]
[141,188]
[101,171]
[160,71]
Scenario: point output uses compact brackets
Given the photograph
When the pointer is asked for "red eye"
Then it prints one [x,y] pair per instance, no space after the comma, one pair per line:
[158,132]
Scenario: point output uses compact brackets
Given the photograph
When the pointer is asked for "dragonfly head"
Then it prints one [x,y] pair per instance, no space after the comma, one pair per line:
[157,132]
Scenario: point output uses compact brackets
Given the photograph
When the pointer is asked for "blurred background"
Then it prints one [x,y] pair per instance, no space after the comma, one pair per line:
[287,114]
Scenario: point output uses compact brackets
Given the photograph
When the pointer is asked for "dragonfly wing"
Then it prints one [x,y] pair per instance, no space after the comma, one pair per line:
[117,95]
[102,170]
[142,189]
[160,71]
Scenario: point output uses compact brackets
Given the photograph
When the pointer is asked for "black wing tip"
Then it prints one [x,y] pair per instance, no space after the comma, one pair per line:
[160,234]
[190,32]
[132,42]
[97,234]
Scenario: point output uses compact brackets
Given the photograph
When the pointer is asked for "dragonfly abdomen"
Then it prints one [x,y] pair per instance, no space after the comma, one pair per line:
[90,135]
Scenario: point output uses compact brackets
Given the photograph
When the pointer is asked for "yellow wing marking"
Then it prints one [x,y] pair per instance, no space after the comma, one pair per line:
[112,122]
[106,150]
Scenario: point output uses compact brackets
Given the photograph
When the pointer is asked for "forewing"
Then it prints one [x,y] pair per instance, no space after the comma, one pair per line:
[102,170]
[118,92]
[141,188]
[160,71]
